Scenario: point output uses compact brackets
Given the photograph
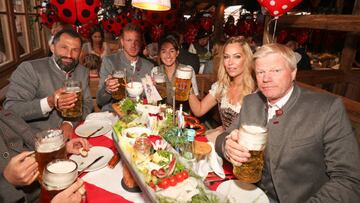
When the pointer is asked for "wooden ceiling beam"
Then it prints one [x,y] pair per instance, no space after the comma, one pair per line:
[349,23]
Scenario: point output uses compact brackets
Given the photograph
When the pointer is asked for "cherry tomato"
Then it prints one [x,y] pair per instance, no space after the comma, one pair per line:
[172,181]
[154,172]
[179,177]
[164,183]
[185,174]
[152,185]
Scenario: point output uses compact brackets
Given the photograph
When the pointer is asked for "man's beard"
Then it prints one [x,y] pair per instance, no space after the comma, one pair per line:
[66,67]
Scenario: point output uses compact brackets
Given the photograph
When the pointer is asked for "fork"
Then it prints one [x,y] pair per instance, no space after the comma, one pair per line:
[211,182]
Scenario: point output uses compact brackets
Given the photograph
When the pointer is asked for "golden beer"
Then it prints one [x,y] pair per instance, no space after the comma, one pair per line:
[72,86]
[120,93]
[160,84]
[76,111]
[254,139]
[58,175]
[183,83]
[49,145]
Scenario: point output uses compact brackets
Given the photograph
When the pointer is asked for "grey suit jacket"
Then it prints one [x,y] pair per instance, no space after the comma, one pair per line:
[118,61]
[15,137]
[37,79]
[312,154]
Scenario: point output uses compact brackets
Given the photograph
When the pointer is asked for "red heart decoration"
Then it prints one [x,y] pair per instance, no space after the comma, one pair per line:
[206,23]
[278,7]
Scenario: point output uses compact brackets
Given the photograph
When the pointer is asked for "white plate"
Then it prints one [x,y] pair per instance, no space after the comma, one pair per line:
[242,192]
[85,129]
[93,154]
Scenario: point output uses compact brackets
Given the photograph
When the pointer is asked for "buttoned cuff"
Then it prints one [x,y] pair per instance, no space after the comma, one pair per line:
[44,105]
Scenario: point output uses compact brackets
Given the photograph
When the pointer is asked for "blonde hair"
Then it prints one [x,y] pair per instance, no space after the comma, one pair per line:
[287,54]
[248,83]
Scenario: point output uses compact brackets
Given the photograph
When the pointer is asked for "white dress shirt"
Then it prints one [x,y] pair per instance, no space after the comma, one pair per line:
[272,108]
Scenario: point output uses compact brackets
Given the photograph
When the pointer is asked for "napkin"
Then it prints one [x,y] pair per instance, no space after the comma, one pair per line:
[182,192]
[212,163]
[110,180]
[103,117]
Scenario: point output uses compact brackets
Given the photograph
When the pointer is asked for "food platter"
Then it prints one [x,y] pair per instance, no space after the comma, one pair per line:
[163,175]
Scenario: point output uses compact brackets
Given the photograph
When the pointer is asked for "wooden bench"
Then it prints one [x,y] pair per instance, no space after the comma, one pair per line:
[93,85]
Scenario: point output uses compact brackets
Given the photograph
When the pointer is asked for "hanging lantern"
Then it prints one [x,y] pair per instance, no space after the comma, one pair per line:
[154,5]
[76,12]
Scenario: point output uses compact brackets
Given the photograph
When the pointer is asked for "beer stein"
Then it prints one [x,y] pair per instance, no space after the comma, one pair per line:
[73,86]
[183,83]
[160,84]
[58,175]
[254,139]
[142,148]
[49,145]
[120,93]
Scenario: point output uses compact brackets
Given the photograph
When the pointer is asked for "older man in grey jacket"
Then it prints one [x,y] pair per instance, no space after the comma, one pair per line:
[312,154]
[128,59]
[19,170]
[36,90]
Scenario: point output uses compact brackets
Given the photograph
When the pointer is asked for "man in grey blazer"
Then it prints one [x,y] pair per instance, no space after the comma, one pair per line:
[312,154]
[36,87]
[19,170]
[128,59]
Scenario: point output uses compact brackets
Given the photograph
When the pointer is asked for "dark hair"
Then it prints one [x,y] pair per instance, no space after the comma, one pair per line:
[68,31]
[175,35]
[95,30]
[169,39]
[131,27]
[92,61]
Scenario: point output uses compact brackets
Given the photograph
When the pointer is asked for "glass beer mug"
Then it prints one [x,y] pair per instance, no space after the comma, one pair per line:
[160,84]
[183,83]
[254,139]
[120,93]
[49,145]
[58,175]
[73,86]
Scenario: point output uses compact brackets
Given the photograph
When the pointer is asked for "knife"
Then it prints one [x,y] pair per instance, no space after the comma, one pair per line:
[88,166]
[211,182]
[93,133]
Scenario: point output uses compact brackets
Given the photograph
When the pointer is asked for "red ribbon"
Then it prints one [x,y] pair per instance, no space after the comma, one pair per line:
[156,115]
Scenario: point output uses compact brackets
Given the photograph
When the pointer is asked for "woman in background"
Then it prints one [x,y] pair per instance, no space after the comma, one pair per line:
[96,44]
[168,53]
[234,82]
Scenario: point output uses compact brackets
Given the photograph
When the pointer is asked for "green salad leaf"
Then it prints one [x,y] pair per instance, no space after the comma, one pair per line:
[127,105]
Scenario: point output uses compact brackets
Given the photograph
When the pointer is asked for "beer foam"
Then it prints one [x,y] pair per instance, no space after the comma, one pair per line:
[51,140]
[184,73]
[73,89]
[253,137]
[254,129]
[118,75]
[159,78]
[62,167]
[60,174]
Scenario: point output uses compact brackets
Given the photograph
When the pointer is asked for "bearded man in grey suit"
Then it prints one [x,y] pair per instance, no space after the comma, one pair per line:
[312,154]
[127,60]
[36,87]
